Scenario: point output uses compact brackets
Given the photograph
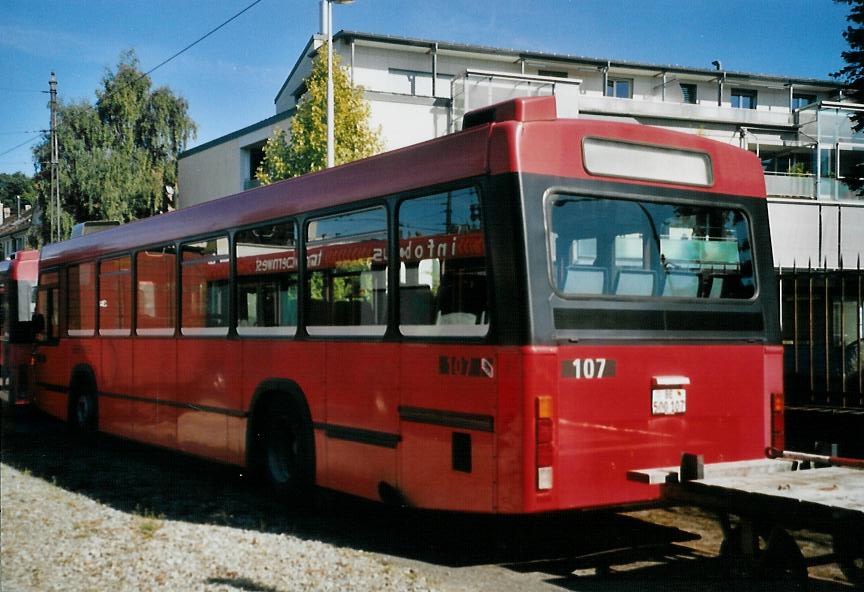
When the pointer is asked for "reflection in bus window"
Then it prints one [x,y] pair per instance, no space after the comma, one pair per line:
[115,296]
[155,269]
[204,290]
[631,248]
[442,274]
[266,280]
[346,259]
[81,300]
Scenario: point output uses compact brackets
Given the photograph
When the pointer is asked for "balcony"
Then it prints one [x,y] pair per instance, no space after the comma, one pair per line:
[787,185]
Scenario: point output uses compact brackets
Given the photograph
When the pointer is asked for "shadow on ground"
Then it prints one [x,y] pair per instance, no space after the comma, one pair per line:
[136,478]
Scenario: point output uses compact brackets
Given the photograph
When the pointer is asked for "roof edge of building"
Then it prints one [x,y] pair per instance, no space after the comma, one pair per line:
[241,132]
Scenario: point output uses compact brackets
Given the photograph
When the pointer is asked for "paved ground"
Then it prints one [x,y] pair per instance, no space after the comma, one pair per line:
[129,490]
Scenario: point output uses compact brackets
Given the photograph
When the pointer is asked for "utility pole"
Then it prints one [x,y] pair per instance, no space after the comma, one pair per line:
[55,161]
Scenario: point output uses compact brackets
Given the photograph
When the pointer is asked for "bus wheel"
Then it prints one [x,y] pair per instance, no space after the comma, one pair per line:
[84,412]
[287,452]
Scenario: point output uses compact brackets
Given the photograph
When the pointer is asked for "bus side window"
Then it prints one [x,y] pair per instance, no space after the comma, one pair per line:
[204,274]
[155,270]
[48,307]
[346,279]
[442,274]
[81,300]
[115,296]
[266,280]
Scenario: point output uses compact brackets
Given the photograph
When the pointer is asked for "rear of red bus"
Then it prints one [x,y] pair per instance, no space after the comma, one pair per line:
[652,310]
[18,278]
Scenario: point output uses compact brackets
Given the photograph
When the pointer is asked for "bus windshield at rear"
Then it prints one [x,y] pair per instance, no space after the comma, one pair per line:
[623,248]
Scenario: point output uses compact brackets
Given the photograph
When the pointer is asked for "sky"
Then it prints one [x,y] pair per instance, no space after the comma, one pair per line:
[231,78]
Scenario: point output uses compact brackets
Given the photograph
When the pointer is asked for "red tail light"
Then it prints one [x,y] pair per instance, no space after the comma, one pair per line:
[545,434]
[778,423]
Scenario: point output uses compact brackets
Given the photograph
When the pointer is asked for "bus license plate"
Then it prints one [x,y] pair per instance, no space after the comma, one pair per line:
[668,401]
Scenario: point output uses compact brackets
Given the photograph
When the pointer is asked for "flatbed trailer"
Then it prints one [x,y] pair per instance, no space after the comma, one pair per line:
[758,501]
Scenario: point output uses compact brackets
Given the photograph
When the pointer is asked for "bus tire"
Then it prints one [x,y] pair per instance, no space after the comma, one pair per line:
[286,455]
[84,410]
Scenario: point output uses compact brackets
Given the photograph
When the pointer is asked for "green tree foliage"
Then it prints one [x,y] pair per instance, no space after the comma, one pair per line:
[852,74]
[118,156]
[306,148]
[14,185]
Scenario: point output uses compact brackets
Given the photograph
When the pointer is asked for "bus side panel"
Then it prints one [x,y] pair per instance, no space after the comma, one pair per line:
[208,385]
[606,421]
[362,416]
[299,362]
[510,433]
[448,409]
[153,379]
[115,385]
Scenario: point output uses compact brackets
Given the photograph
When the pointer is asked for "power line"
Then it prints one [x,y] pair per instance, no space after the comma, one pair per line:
[21,133]
[188,47]
[24,143]
[23,90]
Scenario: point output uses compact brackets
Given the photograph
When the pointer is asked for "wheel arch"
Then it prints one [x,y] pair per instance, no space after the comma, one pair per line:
[267,391]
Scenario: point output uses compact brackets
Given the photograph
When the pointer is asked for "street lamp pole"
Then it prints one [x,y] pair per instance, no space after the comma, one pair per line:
[328,25]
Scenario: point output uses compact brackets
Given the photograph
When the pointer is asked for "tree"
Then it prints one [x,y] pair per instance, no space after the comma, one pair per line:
[14,186]
[852,75]
[118,157]
[306,148]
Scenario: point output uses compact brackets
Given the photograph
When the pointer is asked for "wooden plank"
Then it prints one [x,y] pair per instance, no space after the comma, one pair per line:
[734,469]
[834,488]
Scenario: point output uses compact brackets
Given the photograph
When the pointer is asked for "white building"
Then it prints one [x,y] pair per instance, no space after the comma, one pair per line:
[420,89]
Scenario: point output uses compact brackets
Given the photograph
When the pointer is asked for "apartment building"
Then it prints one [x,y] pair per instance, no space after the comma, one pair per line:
[420,89]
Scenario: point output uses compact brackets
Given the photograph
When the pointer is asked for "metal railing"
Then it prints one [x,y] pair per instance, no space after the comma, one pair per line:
[821,326]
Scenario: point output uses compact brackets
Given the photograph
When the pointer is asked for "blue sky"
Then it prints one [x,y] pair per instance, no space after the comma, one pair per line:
[231,78]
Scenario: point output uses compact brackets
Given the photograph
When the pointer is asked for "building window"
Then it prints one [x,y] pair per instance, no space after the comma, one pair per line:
[743,98]
[801,100]
[621,88]
[552,73]
[417,83]
[256,157]
[688,91]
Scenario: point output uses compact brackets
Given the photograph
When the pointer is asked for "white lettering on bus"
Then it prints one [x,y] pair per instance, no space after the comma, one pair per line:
[430,250]
[271,265]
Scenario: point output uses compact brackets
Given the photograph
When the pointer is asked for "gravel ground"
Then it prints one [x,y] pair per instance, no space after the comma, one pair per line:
[56,540]
[113,515]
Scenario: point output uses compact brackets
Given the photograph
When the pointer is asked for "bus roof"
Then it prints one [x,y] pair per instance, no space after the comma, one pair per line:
[523,135]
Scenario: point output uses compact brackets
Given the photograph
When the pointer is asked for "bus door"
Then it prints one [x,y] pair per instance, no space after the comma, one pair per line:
[52,366]
[448,377]
[207,395]
[347,305]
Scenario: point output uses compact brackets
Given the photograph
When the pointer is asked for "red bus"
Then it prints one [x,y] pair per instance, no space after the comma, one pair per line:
[506,319]
[18,277]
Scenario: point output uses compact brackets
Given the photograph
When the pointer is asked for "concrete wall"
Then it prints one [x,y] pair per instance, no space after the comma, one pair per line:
[221,169]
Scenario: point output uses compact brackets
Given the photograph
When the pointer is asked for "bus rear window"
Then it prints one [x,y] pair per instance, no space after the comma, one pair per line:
[629,248]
